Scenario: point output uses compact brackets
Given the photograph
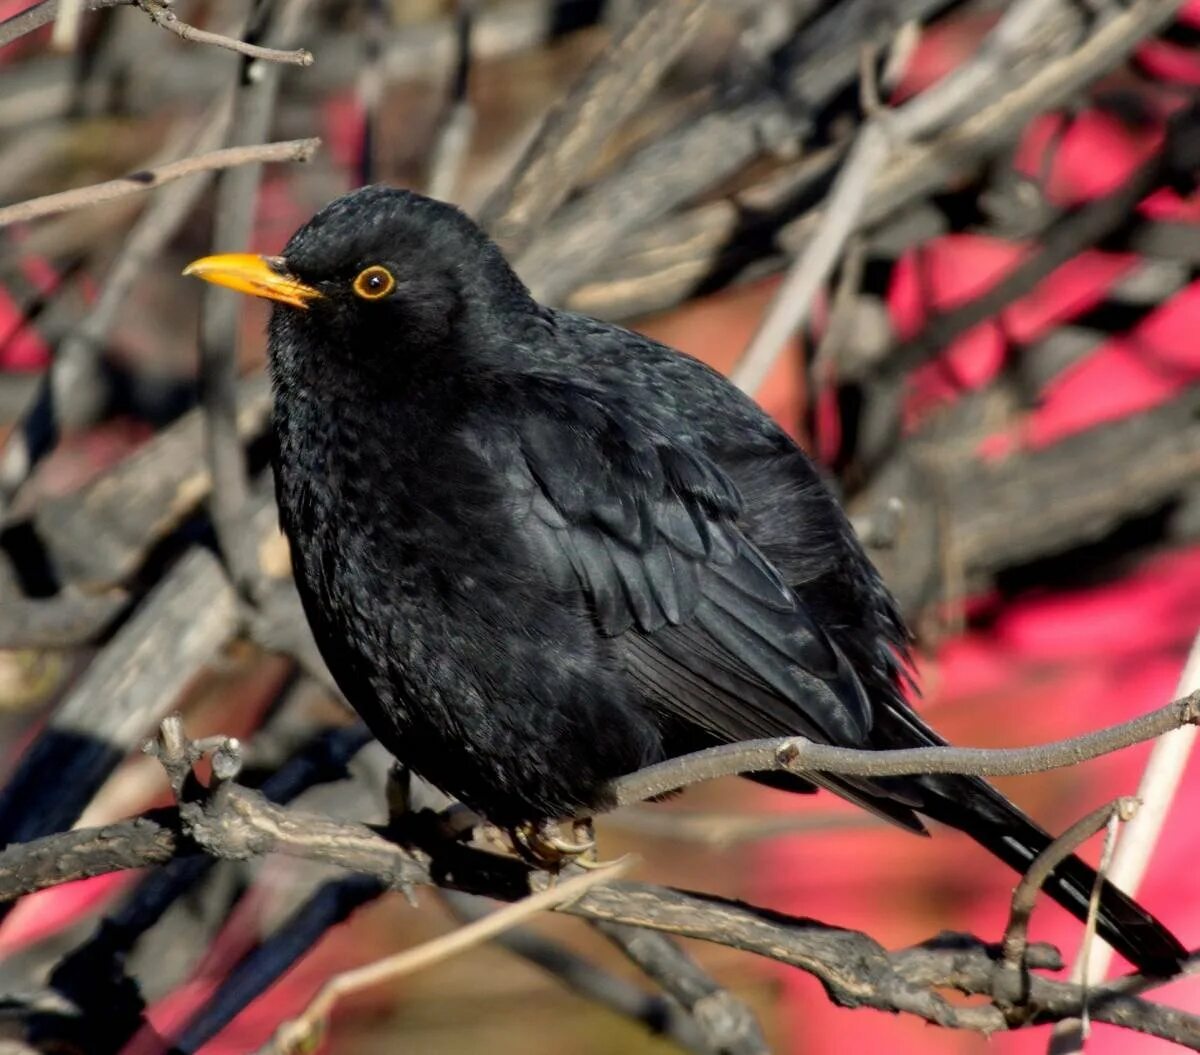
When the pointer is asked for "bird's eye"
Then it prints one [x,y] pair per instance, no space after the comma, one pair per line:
[374,282]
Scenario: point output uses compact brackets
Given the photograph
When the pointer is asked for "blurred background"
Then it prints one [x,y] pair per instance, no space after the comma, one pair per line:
[1000,377]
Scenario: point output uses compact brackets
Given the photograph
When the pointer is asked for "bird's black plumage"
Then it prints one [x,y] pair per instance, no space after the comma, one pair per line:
[539,551]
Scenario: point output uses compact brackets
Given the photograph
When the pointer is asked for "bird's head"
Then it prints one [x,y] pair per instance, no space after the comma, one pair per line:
[376,273]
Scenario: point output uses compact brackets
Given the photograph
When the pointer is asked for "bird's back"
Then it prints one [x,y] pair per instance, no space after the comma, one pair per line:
[788,511]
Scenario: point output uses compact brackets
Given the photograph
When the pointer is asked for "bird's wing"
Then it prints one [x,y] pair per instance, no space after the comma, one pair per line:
[648,529]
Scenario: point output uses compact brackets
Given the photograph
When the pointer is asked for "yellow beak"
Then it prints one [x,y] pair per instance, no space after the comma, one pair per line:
[260,276]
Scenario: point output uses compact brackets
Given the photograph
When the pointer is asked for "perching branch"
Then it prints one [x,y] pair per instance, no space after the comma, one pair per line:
[230,821]
[800,755]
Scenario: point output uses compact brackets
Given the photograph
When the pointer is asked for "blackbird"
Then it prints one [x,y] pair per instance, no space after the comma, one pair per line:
[539,551]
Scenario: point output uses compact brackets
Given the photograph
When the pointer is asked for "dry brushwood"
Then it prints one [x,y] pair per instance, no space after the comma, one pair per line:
[781,158]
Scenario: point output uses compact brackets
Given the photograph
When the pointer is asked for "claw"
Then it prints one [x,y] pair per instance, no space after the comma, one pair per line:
[541,845]
[568,848]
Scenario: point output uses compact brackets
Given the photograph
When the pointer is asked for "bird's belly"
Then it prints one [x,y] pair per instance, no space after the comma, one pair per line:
[515,712]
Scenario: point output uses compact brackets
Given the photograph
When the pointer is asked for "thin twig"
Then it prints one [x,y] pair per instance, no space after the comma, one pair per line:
[800,755]
[1125,809]
[1016,933]
[163,16]
[75,390]
[299,1034]
[1157,790]
[148,179]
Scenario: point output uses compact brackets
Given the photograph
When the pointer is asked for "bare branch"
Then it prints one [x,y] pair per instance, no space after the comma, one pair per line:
[800,755]
[230,821]
[151,839]
[1156,792]
[858,972]
[148,179]
[1016,933]
[163,16]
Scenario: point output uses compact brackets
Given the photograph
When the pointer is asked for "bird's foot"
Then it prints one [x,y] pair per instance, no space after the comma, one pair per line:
[541,844]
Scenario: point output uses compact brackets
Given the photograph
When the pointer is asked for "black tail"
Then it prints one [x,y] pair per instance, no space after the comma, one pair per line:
[996,824]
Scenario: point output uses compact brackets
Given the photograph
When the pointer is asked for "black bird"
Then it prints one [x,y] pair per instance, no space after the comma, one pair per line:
[539,551]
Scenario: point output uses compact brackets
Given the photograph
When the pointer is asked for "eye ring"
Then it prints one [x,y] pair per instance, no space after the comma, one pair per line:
[374,282]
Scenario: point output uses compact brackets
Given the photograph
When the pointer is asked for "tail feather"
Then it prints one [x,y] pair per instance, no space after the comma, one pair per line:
[996,824]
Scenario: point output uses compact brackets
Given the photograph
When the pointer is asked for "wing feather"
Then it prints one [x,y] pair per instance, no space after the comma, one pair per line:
[649,531]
